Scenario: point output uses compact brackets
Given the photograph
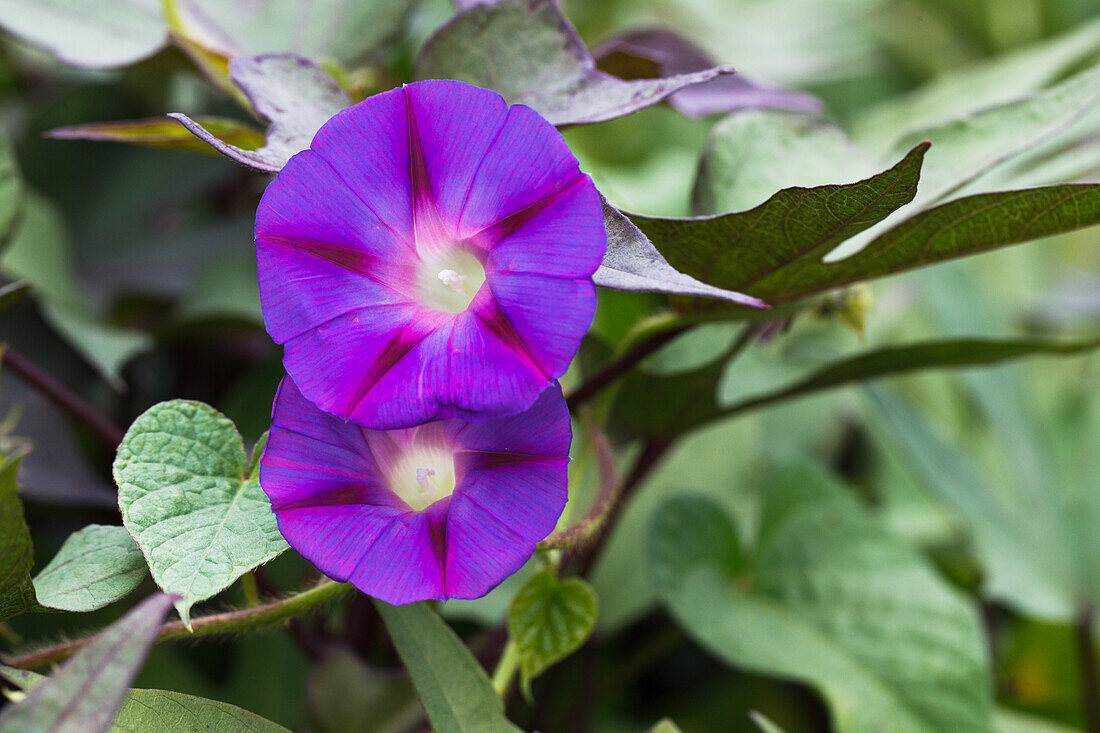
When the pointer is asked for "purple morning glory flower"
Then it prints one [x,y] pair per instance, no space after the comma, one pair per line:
[429,256]
[447,509]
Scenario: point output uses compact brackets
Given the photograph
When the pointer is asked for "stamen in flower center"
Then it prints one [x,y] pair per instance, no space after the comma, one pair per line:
[423,476]
[449,279]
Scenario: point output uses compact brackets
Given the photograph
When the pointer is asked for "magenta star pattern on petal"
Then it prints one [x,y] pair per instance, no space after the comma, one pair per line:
[429,256]
[447,509]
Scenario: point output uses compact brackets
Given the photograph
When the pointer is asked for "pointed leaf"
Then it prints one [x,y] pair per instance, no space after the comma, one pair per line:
[91,34]
[95,567]
[529,52]
[830,599]
[16,552]
[23,679]
[663,53]
[85,694]
[549,620]
[294,94]
[633,263]
[160,133]
[192,503]
[454,689]
[762,250]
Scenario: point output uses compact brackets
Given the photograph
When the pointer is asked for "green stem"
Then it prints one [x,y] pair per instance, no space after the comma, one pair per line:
[251,592]
[506,668]
[215,624]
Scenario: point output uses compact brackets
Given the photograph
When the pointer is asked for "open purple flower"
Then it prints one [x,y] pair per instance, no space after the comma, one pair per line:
[429,256]
[447,509]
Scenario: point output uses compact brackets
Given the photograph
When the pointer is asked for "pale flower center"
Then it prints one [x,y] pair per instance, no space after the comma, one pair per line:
[449,279]
[423,476]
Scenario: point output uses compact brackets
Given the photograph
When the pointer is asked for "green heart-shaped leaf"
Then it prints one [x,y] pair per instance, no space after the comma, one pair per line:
[549,620]
[192,502]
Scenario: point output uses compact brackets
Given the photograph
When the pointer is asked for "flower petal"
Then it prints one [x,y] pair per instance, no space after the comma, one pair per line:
[367,146]
[527,163]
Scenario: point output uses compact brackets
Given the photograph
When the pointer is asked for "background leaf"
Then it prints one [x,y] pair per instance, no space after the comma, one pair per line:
[830,599]
[452,686]
[108,665]
[160,133]
[88,33]
[95,567]
[549,619]
[192,502]
[530,53]
[16,552]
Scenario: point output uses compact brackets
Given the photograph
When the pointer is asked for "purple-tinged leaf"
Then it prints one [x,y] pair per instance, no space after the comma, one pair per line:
[294,94]
[528,51]
[633,263]
[85,694]
[160,133]
[662,53]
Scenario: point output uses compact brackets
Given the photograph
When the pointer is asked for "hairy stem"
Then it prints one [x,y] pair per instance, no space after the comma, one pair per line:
[60,395]
[220,623]
[597,514]
[1086,657]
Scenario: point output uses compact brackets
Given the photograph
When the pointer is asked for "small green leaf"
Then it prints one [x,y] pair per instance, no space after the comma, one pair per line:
[95,567]
[23,679]
[530,53]
[830,599]
[16,551]
[161,133]
[88,33]
[162,710]
[190,500]
[454,689]
[549,620]
[665,725]
[86,693]
[294,94]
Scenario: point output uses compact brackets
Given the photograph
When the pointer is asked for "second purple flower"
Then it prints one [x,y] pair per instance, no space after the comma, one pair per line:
[430,256]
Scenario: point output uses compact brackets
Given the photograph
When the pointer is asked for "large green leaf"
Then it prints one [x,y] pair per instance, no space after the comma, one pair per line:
[751,155]
[95,567]
[86,693]
[665,406]
[761,250]
[16,551]
[549,619]
[830,599]
[345,30]
[345,694]
[530,53]
[162,710]
[88,33]
[452,686]
[192,501]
